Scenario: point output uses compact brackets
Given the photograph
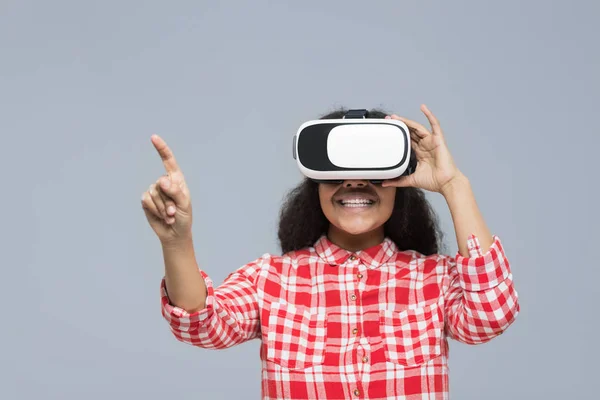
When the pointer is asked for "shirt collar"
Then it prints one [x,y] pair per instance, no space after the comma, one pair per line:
[372,257]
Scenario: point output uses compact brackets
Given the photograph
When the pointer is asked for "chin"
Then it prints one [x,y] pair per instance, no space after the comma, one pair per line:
[357,229]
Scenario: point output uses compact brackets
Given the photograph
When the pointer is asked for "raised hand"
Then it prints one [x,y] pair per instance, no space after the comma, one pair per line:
[167,202]
[435,168]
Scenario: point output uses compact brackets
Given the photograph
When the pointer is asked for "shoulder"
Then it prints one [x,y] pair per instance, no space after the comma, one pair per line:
[269,263]
[437,262]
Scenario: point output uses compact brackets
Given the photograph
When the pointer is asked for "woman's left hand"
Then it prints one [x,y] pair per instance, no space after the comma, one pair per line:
[435,167]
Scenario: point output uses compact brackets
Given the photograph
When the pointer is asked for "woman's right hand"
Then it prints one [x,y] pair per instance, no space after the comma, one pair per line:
[167,202]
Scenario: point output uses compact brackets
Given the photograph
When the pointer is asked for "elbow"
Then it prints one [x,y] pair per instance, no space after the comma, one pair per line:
[481,338]
[480,331]
[477,338]
[188,304]
[193,308]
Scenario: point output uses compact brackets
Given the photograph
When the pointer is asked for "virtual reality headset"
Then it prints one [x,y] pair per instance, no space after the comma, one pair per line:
[353,147]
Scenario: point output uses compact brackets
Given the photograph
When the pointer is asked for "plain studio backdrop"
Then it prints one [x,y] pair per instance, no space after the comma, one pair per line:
[83,85]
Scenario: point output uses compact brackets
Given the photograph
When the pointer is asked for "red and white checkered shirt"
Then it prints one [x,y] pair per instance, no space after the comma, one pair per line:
[366,325]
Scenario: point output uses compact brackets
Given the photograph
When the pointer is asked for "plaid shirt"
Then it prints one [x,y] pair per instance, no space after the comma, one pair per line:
[366,325]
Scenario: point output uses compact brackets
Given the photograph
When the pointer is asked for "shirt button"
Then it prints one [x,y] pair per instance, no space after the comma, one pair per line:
[355,331]
[353,297]
[359,275]
[352,257]
[365,359]
[356,392]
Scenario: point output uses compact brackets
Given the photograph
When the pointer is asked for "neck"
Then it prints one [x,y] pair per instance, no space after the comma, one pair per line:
[352,242]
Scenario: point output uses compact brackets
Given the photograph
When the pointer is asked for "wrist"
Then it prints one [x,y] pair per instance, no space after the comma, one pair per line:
[178,244]
[455,186]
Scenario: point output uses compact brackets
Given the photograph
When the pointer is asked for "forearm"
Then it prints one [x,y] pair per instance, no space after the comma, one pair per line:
[185,286]
[228,315]
[466,215]
[477,315]
[481,300]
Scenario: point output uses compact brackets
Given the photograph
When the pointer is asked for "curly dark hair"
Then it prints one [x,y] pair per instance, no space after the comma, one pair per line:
[413,224]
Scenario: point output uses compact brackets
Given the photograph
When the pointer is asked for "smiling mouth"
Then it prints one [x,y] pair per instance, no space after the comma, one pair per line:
[356,203]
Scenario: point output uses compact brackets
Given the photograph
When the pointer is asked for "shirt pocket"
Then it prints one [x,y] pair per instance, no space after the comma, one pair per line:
[412,337]
[295,336]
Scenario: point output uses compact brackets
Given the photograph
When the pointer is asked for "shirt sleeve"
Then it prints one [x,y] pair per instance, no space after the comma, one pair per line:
[230,317]
[481,301]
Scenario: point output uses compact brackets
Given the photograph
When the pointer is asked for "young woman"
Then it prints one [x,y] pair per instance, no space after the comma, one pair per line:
[361,304]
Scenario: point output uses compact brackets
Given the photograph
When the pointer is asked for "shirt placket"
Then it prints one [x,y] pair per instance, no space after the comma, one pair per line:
[361,350]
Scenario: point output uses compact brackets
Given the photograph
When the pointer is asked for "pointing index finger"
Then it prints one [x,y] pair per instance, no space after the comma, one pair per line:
[165,154]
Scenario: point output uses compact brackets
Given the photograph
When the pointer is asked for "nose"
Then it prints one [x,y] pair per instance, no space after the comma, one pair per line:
[355,183]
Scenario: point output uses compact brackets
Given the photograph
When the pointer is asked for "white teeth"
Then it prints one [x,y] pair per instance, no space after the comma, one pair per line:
[356,202]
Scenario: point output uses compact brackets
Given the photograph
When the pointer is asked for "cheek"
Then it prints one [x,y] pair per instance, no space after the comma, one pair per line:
[388,198]
[325,196]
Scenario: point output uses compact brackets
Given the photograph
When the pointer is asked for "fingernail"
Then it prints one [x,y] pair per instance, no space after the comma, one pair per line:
[166,183]
[171,210]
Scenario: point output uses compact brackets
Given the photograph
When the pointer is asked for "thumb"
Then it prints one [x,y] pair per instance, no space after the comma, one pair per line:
[175,192]
[403,181]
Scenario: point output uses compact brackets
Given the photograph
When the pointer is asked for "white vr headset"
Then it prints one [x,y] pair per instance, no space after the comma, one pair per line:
[354,147]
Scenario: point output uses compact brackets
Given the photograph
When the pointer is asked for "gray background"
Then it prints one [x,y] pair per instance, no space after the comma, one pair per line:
[83,86]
